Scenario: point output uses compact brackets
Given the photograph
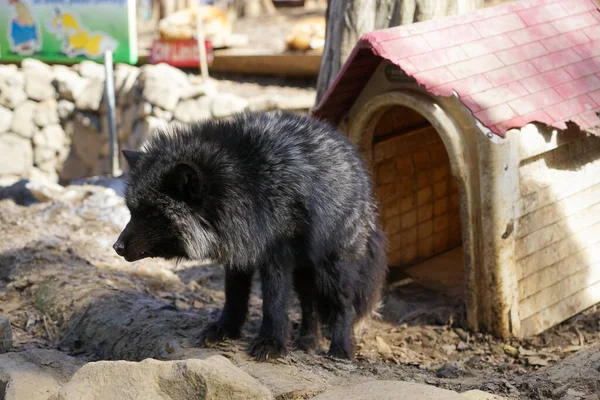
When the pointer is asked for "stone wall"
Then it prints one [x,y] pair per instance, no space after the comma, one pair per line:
[558,233]
[53,118]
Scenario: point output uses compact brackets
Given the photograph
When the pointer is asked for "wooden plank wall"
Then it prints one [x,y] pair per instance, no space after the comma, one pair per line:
[558,234]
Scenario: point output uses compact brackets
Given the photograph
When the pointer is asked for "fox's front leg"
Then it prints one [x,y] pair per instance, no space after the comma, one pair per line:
[238,283]
[276,282]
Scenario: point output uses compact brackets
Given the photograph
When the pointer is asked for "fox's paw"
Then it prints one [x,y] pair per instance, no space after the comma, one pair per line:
[215,332]
[262,349]
[307,343]
[341,353]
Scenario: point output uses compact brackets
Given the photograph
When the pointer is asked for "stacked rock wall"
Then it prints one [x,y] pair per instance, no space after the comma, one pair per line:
[53,118]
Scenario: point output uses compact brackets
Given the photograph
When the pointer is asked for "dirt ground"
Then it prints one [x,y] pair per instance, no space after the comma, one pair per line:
[63,287]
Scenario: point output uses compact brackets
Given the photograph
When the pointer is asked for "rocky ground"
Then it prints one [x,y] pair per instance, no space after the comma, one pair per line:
[71,302]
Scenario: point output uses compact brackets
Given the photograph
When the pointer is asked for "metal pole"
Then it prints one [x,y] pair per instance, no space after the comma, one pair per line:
[201,46]
[109,86]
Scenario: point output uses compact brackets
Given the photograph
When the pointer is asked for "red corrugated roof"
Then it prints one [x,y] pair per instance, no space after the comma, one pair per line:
[531,60]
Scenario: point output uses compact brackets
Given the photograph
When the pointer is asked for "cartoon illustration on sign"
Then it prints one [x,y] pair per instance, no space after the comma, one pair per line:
[77,40]
[23,34]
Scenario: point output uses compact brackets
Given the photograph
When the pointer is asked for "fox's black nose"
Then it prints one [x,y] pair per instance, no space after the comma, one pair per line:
[119,247]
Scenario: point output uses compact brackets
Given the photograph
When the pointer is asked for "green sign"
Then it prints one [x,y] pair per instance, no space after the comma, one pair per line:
[68,31]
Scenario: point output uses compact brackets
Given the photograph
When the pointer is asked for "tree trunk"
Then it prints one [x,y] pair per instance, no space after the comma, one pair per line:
[348,20]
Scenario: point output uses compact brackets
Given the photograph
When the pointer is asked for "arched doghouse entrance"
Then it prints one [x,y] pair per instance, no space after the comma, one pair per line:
[426,190]
[419,200]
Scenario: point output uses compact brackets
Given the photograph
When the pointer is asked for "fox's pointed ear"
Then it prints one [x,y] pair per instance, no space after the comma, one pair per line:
[132,157]
[186,182]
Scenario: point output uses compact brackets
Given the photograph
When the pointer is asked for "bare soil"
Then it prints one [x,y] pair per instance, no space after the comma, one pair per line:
[63,287]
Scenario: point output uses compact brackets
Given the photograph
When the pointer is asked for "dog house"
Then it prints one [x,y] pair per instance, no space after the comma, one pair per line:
[480,131]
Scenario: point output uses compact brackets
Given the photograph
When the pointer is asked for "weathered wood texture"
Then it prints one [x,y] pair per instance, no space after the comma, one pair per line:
[263,63]
[557,247]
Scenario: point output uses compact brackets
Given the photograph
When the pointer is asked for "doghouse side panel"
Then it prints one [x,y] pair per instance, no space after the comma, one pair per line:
[558,234]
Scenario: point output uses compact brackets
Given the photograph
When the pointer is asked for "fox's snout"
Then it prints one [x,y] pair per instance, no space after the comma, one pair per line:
[123,248]
[127,247]
[119,247]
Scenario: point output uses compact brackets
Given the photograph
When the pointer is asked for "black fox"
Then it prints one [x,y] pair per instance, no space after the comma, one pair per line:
[285,195]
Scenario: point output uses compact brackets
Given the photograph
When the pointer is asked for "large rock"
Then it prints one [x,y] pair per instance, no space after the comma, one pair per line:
[92,70]
[162,114]
[90,99]
[143,109]
[50,146]
[11,75]
[286,381]
[480,395]
[193,109]
[214,378]
[38,80]
[162,94]
[49,169]
[6,338]
[105,204]
[46,113]
[121,74]
[65,109]
[227,104]
[35,374]
[388,390]
[44,159]
[68,82]
[17,155]
[126,88]
[163,85]
[51,137]
[8,70]
[6,117]
[195,90]
[31,64]
[163,72]
[23,121]
[12,96]
[42,187]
